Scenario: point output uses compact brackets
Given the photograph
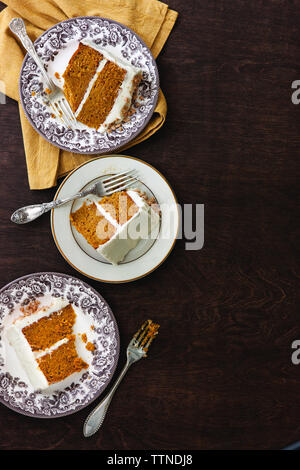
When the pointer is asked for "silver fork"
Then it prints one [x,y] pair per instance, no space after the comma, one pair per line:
[110,185]
[55,96]
[136,349]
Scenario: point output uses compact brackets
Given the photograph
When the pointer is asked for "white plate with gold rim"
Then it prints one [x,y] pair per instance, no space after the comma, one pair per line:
[148,254]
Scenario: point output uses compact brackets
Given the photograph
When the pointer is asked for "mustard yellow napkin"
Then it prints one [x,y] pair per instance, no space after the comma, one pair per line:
[152,20]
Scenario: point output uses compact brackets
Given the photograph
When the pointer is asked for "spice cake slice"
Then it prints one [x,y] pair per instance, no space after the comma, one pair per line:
[45,344]
[100,87]
[118,222]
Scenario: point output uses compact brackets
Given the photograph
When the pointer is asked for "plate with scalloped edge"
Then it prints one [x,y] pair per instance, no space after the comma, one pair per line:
[54,47]
[96,320]
[149,253]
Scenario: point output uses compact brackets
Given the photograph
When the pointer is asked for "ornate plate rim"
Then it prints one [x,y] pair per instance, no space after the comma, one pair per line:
[103,388]
[134,135]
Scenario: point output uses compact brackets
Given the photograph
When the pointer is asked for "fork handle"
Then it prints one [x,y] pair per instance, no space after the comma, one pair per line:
[95,419]
[17,26]
[29,213]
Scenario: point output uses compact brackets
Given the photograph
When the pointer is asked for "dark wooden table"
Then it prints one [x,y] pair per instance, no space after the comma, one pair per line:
[220,375]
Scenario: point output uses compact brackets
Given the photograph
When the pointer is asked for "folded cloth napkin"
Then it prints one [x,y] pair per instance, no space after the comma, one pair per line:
[152,20]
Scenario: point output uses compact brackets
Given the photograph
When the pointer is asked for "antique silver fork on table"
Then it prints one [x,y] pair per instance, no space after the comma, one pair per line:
[136,349]
[110,185]
[55,96]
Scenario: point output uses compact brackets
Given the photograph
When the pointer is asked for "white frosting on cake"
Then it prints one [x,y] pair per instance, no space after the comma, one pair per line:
[127,235]
[26,356]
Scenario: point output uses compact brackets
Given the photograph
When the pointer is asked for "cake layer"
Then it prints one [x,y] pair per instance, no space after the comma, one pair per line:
[102,95]
[120,206]
[92,225]
[79,72]
[61,362]
[52,328]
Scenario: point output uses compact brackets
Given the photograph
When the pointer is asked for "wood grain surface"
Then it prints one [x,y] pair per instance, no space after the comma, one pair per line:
[220,375]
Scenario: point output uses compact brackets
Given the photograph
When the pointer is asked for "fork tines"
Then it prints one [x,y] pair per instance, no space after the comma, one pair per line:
[118,182]
[67,111]
[64,111]
[145,335]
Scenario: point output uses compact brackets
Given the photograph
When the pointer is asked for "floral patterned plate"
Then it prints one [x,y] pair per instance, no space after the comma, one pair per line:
[53,47]
[97,321]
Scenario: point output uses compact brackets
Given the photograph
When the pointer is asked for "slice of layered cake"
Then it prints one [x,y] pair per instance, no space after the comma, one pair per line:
[115,224]
[44,342]
[99,87]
